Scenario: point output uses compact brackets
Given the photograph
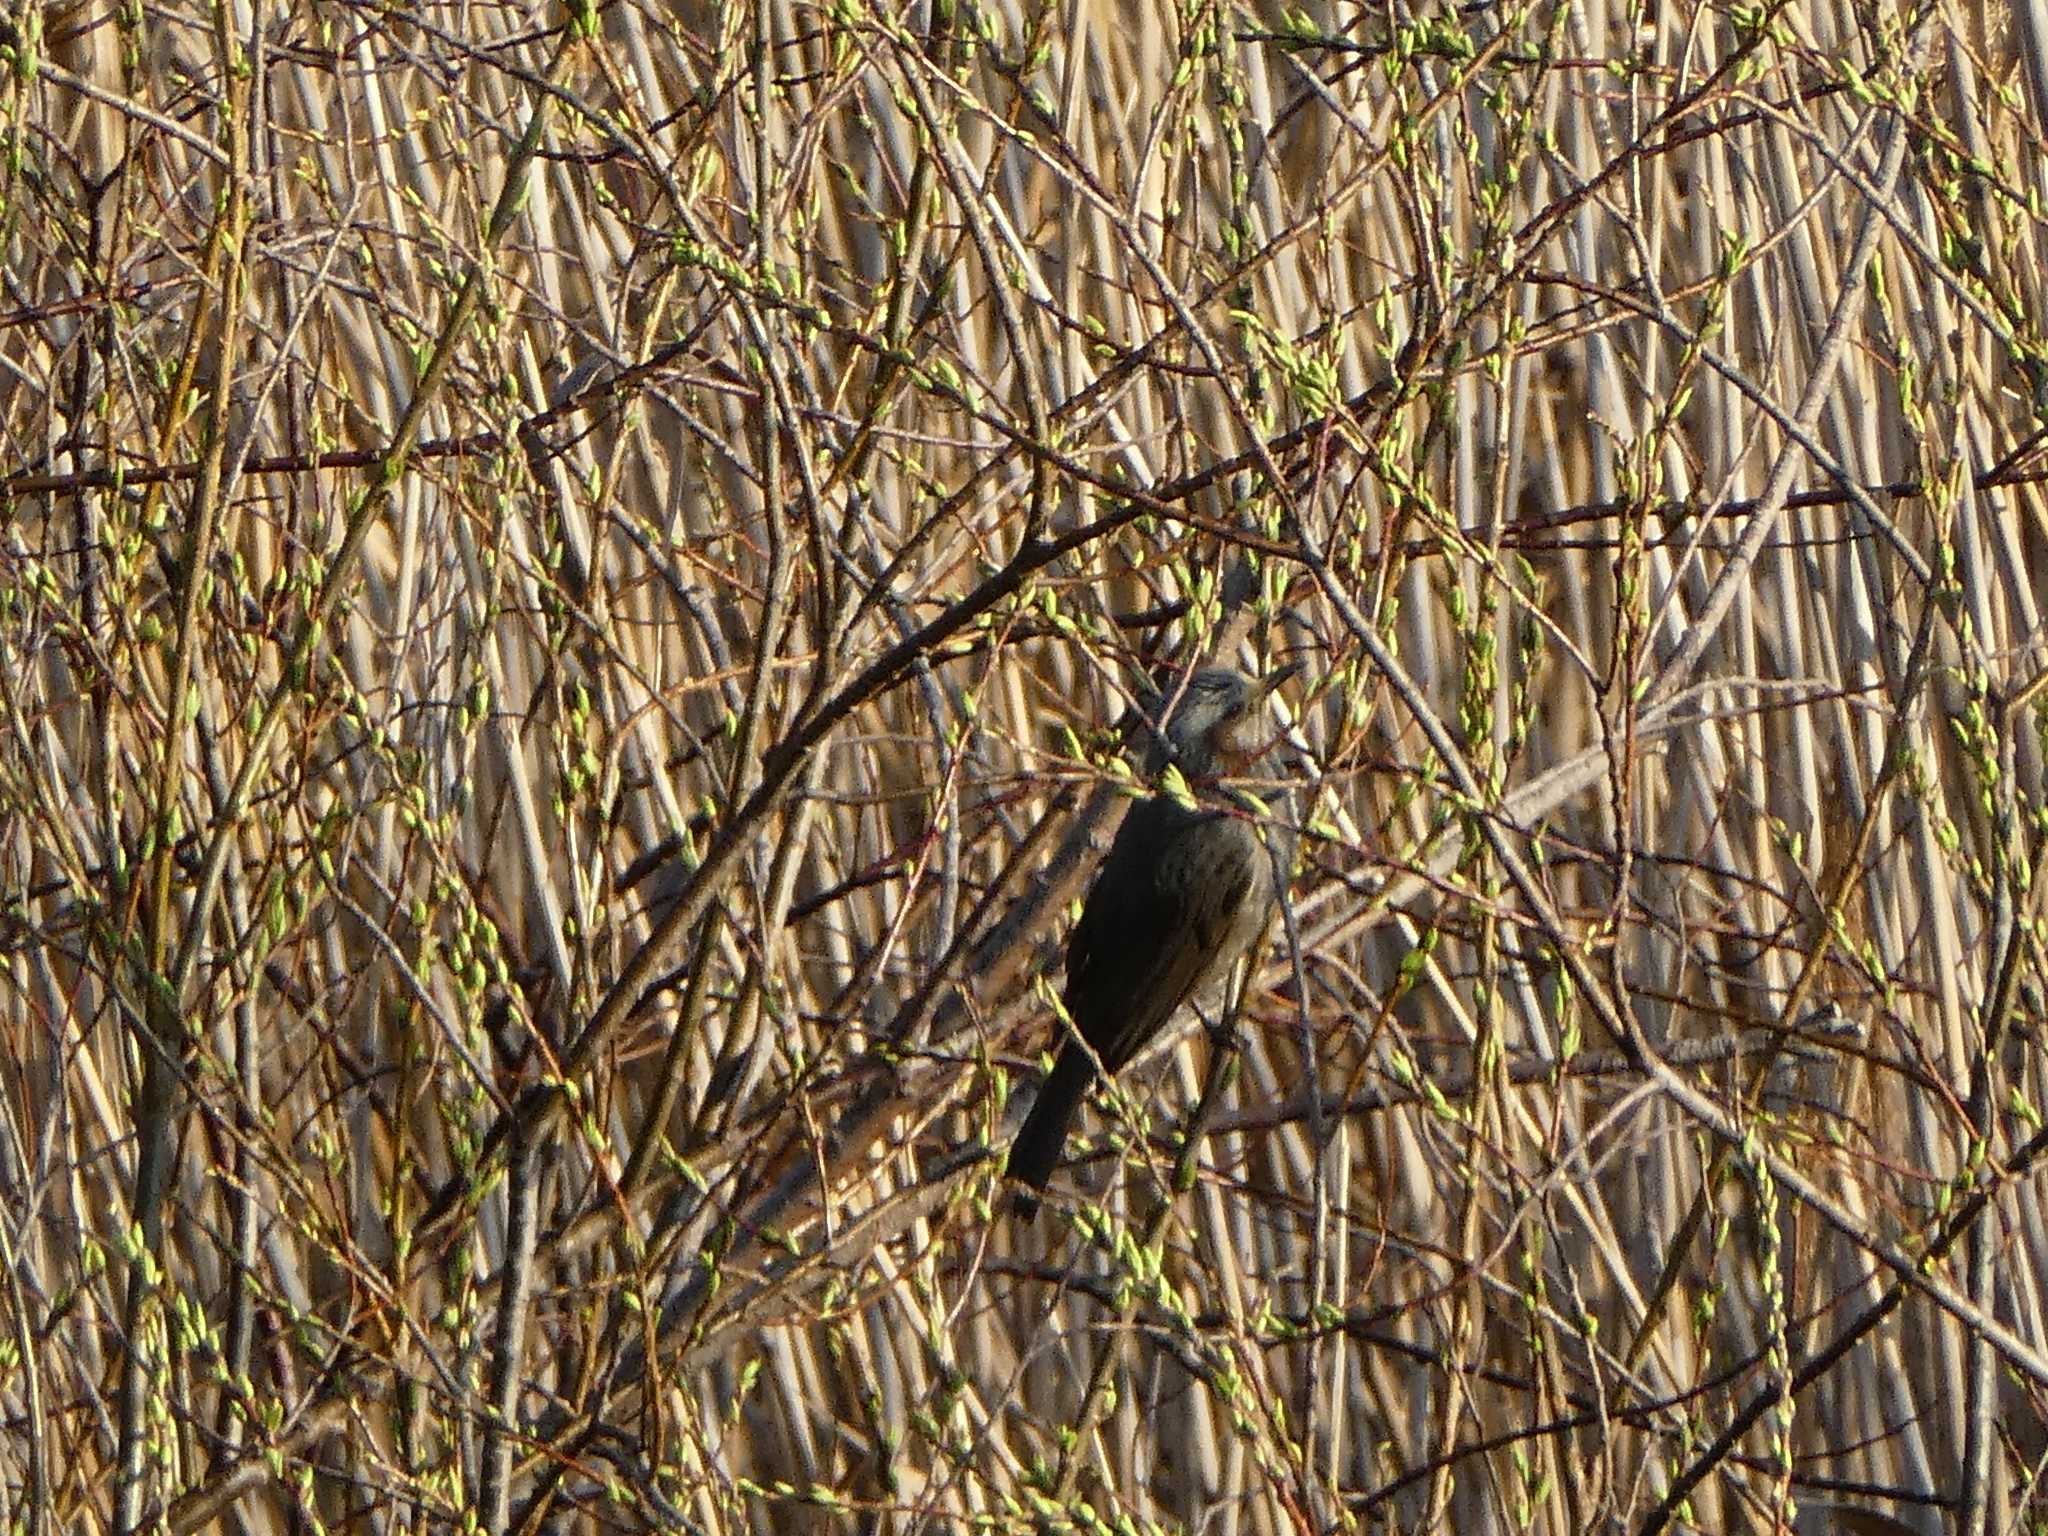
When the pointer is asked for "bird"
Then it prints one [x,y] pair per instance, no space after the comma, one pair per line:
[1188,885]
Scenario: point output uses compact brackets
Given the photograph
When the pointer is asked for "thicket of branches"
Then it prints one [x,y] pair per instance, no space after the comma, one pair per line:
[567,586]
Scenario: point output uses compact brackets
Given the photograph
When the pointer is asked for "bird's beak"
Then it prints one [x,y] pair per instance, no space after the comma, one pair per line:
[1272,680]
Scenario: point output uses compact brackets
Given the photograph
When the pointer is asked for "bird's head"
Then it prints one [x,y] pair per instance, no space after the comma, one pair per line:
[1219,724]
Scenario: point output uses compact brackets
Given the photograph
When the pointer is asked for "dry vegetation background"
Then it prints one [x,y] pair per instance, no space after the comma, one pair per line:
[566,582]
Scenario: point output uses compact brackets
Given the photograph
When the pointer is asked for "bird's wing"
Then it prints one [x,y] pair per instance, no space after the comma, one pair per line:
[1161,908]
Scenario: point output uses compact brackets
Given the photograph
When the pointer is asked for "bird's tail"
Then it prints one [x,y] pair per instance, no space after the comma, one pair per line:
[1043,1136]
